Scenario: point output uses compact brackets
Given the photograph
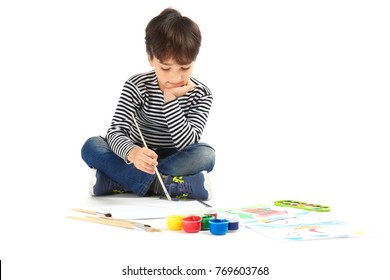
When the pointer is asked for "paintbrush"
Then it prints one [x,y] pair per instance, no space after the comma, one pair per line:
[91,212]
[134,224]
[155,167]
[115,222]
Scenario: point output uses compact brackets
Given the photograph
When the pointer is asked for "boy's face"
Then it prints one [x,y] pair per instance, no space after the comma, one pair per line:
[170,74]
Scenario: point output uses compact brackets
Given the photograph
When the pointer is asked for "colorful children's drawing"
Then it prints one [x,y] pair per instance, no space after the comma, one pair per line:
[292,225]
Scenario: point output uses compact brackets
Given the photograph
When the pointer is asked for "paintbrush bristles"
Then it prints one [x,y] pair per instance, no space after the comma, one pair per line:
[91,212]
[162,184]
[153,230]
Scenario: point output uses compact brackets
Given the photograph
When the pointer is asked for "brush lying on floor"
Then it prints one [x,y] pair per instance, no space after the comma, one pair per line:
[112,221]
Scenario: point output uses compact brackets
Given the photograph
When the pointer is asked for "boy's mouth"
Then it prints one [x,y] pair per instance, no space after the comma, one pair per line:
[175,85]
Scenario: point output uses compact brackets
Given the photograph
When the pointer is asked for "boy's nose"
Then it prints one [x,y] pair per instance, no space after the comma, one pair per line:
[176,78]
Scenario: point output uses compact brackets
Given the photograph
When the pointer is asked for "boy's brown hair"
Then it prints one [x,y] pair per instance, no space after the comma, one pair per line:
[170,35]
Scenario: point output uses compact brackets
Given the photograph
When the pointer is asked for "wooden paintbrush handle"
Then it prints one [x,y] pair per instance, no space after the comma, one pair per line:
[104,221]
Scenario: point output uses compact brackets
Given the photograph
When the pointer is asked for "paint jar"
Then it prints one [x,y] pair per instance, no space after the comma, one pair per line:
[205,222]
[219,226]
[192,224]
[211,211]
[233,222]
[175,222]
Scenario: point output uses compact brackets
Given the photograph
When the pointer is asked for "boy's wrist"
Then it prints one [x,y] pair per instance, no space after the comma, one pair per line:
[131,155]
[168,97]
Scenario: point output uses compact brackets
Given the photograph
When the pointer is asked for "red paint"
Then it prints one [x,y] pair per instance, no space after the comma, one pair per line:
[192,224]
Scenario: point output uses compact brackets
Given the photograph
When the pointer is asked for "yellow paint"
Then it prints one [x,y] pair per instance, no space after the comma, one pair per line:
[175,222]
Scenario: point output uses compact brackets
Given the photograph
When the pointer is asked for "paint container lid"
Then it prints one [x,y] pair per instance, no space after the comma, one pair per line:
[210,211]
[232,218]
[192,213]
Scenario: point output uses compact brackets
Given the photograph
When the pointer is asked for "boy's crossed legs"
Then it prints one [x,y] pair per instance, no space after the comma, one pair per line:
[184,171]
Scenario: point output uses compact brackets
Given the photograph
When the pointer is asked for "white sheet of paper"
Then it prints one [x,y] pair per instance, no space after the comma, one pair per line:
[131,208]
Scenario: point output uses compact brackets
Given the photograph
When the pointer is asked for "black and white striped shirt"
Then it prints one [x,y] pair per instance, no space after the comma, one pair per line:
[175,124]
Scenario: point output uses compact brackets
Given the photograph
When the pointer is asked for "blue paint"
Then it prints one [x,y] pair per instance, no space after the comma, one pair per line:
[233,222]
[219,226]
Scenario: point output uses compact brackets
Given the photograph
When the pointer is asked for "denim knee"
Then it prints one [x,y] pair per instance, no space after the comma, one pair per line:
[208,157]
[91,147]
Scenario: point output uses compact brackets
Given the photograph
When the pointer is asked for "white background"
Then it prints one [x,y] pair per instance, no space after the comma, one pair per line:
[301,111]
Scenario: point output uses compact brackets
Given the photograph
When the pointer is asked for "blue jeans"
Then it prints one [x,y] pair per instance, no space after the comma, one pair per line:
[191,160]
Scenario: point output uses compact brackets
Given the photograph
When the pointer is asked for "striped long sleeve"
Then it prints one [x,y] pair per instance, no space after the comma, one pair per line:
[175,124]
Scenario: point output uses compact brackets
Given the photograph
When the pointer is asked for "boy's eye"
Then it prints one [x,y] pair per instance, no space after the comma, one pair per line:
[184,68]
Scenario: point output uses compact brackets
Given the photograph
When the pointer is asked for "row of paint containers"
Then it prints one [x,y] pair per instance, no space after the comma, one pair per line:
[208,220]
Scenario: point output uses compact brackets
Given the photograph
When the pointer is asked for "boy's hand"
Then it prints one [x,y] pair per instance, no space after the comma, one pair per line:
[173,93]
[143,159]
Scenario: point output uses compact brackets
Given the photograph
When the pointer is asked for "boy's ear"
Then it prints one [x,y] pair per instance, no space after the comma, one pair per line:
[150,59]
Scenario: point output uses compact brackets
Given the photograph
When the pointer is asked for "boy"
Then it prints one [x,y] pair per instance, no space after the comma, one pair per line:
[171,109]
